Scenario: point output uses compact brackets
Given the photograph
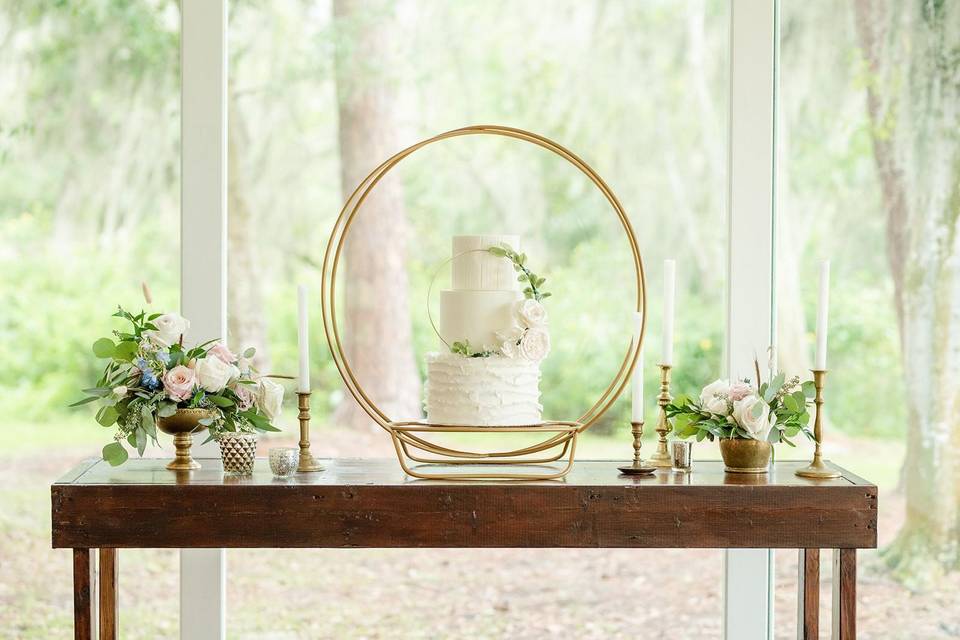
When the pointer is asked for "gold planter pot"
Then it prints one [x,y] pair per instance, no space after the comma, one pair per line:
[182,425]
[745,456]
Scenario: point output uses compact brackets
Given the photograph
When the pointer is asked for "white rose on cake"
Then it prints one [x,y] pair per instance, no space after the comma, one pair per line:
[269,397]
[170,326]
[530,313]
[710,401]
[510,341]
[535,344]
[758,426]
[213,374]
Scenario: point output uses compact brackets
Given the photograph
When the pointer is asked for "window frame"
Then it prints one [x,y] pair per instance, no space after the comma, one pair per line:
[751,211]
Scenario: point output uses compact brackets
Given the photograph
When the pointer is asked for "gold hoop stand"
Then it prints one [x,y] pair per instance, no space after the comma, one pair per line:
[412,440]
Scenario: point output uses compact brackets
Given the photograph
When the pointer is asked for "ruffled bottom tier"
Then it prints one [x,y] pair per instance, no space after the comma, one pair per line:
[489,392]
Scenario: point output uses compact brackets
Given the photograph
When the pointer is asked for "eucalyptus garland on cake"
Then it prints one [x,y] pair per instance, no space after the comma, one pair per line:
[528,337]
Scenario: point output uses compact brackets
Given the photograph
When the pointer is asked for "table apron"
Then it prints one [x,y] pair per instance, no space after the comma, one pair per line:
[464,515]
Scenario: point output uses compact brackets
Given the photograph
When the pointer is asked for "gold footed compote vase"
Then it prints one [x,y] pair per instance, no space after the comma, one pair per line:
[182,425]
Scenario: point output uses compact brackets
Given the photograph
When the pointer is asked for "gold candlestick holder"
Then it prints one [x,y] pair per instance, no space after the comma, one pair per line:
[639,466]
[307,462]
[661,459]
[817,468]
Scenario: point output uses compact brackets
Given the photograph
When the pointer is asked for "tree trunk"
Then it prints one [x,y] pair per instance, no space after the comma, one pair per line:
[913,101]
[377,325]
[246,320]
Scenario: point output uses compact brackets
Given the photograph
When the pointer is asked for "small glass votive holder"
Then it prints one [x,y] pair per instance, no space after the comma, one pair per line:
[681,454]
[284,461]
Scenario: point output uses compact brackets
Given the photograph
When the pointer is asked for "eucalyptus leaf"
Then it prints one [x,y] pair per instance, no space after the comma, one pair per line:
[125,350]
[104,348]
[107,416]
[166,409]
[249,352]
[84,401]
[115,454]
[141,441]
[220,401]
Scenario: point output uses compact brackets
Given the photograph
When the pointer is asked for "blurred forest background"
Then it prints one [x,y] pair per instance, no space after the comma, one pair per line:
[321,91]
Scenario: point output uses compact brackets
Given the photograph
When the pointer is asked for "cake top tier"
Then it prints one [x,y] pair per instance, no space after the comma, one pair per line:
[476,270]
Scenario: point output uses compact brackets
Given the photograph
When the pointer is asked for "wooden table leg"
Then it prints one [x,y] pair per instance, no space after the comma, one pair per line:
[84,589]
[844,594]
[808,595]
[109,607]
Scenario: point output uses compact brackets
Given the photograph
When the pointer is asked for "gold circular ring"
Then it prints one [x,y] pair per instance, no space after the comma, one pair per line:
[341,229]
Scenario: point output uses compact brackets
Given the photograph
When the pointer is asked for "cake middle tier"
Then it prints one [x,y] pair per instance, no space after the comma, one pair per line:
[476,316]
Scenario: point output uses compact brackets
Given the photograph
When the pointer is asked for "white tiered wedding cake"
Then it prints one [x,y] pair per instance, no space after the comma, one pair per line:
[497,335]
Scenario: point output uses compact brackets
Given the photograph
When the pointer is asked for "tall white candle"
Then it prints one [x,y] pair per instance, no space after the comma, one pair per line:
[820,361]
[303,340]
[669,289]
[637,389]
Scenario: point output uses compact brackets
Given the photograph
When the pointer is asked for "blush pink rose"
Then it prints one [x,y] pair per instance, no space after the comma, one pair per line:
[739,391]
[246,395]
[179,383]
[221,351]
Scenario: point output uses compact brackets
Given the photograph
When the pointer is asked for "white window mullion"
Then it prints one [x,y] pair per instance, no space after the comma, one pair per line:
[748,573]
[203,260]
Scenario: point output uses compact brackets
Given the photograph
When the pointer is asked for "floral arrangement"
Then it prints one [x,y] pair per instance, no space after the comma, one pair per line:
[528,336]
[771,411]
[150,374]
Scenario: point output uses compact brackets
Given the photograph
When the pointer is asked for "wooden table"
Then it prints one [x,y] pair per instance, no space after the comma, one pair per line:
[371,503]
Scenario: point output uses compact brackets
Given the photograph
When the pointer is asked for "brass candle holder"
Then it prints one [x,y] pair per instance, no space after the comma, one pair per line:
[639,466]
[817,468]
[307,462]
[661,459]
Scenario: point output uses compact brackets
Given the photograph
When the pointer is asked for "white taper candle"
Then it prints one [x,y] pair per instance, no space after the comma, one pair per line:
[669,289]
[303,340]
[820,361]
[637,388]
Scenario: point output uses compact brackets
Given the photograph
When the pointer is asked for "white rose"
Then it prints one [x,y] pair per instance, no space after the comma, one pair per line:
[213,374]
[535,344]
[509,340]
[757,426]
[269,397]
[530,313]
[710,402]
[170,326]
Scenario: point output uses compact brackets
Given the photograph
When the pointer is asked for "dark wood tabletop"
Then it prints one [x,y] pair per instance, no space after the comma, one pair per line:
[371,503]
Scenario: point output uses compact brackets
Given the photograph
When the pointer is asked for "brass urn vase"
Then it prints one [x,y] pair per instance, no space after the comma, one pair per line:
[745,456]
[182,425]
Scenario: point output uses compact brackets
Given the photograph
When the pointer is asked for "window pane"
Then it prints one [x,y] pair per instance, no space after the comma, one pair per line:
[89,208]
[320,93]
[869,179]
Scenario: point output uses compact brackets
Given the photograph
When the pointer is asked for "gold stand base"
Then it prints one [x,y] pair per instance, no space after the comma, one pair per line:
[661,461]
[746,469]
[308,463]
[413,442]
[817,470]
[641,468]
[182,460]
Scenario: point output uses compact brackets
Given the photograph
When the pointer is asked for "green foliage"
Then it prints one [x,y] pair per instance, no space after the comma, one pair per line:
[534,288]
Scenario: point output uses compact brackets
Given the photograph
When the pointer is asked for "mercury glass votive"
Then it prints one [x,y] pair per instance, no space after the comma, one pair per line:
[283,461]
[681,455]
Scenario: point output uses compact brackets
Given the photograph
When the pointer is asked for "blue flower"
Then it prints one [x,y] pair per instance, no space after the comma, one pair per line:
[164,356]
[142,364]
[149,380]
